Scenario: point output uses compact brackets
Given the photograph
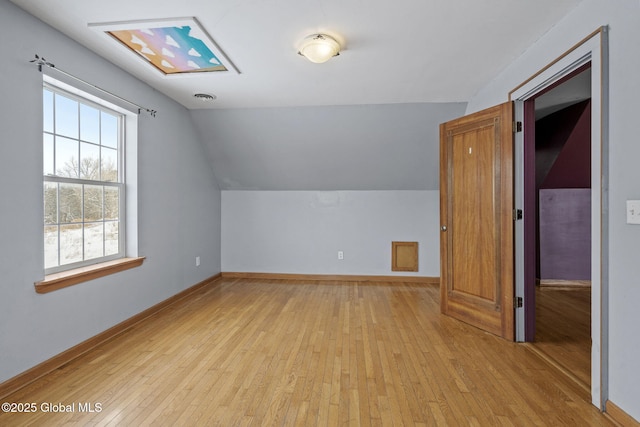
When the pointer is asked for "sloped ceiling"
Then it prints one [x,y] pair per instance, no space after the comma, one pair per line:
[366,120]
[366,147]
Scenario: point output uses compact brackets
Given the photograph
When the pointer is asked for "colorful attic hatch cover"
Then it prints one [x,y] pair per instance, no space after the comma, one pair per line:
[174,47]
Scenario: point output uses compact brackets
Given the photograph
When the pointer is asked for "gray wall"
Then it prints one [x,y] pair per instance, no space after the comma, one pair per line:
[624,175]
[302,231]
[317,180]
[179,203]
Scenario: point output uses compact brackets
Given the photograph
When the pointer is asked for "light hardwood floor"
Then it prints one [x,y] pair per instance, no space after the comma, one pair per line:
[260,352]
[563,328]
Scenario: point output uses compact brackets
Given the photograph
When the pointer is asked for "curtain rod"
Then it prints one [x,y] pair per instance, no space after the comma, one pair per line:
[40,62]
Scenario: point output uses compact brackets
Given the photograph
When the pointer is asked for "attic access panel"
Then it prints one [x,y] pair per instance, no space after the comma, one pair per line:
[172,46]
[404,256]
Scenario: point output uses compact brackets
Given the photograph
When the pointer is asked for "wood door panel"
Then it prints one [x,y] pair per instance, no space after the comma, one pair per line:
[476,208]
[472,154]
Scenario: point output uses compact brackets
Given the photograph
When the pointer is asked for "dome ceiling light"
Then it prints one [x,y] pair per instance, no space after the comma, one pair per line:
[319,48]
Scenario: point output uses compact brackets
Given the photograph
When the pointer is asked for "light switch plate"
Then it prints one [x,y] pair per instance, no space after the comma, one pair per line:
[633,211]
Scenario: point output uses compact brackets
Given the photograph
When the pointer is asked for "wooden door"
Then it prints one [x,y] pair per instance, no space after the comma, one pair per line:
[476,214]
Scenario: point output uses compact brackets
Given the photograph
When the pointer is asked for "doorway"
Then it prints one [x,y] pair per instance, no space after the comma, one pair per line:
[559,190]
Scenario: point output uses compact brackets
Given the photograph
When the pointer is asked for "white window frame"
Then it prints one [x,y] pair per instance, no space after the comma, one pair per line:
[126,120]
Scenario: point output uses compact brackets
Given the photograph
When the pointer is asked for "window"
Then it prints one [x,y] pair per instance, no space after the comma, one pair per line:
[84,186]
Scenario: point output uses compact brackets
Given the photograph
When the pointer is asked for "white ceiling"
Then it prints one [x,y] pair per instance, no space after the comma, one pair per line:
[405,51]
[571,92]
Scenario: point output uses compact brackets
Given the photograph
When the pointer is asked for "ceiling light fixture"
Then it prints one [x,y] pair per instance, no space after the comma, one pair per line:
[205,97]
[319,48]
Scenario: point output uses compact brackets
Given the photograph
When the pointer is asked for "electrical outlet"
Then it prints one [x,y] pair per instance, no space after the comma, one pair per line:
[633,211]
[197,261]
[340,255]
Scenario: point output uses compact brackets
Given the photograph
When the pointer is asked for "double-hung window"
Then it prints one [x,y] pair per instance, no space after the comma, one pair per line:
[84,182]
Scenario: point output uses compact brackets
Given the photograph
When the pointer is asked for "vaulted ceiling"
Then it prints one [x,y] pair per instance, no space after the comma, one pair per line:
[366,120]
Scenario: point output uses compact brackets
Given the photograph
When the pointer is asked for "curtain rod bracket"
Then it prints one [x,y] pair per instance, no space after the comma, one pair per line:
[40,62]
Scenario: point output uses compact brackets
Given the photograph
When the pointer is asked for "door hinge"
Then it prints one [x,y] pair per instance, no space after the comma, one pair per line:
[517,302]
[517,214]
[517,127]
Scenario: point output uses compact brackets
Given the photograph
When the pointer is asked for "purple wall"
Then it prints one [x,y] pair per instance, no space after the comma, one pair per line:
[563,148]
[565,234]
[563,162]
[572,167]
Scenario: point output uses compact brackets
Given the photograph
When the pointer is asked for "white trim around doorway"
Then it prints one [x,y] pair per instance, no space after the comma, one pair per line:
[592,48]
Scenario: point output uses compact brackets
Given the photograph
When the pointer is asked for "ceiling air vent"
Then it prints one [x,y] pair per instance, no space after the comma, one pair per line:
[204,97]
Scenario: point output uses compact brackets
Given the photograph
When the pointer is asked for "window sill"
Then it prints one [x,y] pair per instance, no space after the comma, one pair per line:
[53,282]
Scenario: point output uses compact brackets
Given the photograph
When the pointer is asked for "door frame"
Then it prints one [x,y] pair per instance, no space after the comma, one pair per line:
[594,49]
